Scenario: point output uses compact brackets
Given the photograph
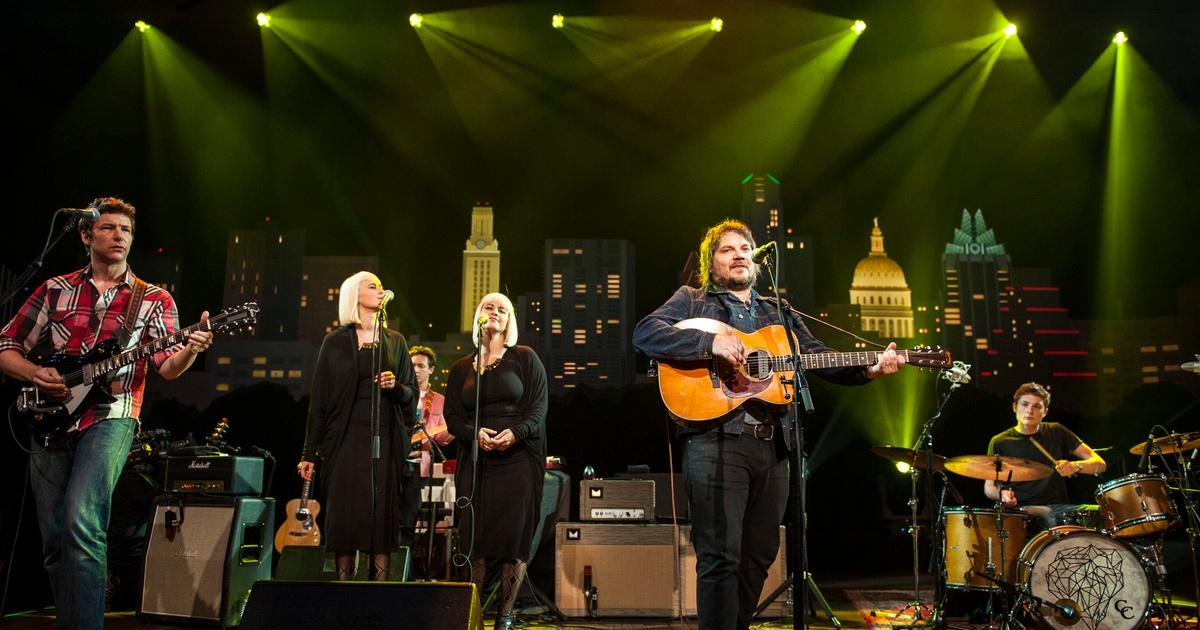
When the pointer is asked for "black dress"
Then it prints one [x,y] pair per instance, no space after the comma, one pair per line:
[507,504]
[339,437]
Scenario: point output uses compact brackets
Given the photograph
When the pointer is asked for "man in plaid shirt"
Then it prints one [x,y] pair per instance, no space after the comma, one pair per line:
[73,477]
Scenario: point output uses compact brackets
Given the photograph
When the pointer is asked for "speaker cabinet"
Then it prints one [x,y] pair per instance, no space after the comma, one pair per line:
[634,569]
[775,575]
[363,606]
[203,555]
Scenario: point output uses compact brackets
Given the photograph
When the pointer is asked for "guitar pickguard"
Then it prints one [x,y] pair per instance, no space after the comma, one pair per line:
[739,385]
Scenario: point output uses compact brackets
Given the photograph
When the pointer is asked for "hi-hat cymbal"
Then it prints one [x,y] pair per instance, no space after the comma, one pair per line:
[916,459]
[984,467]
[1172,443]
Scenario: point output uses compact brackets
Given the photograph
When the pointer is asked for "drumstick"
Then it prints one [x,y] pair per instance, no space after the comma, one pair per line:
[1043,450]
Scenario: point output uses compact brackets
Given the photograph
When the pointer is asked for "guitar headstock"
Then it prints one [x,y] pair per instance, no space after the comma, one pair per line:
[234,318]
[929,357]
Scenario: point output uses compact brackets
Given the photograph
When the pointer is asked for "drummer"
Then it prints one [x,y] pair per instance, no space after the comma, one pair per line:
[1044,499]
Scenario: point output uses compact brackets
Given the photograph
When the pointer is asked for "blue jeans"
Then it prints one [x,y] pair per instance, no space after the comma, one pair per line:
[737,489]
[73,481]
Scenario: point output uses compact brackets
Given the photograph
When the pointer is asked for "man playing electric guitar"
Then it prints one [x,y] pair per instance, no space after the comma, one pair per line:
[73,476]
[736,473]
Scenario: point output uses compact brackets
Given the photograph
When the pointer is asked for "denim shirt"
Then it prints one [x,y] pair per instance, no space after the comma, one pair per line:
[656,337]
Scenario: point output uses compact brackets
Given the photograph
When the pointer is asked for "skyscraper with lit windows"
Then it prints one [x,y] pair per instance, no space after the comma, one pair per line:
[588,311]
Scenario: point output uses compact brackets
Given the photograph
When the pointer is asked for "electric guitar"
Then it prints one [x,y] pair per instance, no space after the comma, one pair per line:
[86,375]
[299,527]
[702,393]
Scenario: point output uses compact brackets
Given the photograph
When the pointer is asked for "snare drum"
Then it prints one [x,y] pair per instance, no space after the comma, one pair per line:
[1136,505]
[1098,575]
[973,540]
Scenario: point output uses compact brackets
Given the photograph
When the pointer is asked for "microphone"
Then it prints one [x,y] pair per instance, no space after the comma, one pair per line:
[1145,461]
[1065,607]
[388,295]
[760,254]
[953,491]
[81,213]
[482,321]
[957,374]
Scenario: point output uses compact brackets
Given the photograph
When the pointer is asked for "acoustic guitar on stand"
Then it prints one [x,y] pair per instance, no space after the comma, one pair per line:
[702,393]
[299,526]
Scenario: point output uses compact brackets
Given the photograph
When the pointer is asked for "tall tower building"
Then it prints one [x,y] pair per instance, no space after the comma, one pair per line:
[762,210]
[588,313]
[975,279]
[260,266]
[880,290]
[481,263]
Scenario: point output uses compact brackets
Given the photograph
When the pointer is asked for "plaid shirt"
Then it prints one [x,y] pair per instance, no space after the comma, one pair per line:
[70,314]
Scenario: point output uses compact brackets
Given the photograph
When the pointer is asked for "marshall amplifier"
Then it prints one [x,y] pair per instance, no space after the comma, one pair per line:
[215,474]
[616,500]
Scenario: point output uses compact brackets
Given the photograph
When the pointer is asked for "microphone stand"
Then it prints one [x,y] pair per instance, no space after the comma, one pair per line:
[924,444]
[798,463]
[467,499]
[376,405]
[36,263]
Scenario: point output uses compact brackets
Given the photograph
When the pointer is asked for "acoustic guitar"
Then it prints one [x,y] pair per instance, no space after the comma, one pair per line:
[703,393]
[299,527]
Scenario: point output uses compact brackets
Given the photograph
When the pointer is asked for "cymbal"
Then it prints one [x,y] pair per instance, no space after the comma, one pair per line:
[1172,443]
[916,459]
[984,467]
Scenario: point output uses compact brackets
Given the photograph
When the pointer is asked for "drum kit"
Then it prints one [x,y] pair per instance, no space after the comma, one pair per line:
[1101,565]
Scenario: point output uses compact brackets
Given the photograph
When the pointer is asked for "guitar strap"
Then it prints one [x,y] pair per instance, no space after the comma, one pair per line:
[125,333]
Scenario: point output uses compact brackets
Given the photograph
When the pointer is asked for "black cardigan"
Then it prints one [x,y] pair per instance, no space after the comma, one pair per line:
[334,386]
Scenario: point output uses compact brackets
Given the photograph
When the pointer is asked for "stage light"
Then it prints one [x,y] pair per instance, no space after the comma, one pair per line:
[1010,30]
[1120,38]
[415,20]
[557,20]
[264,20]
[142,26]
[716,24]
[859,26]
[903,467]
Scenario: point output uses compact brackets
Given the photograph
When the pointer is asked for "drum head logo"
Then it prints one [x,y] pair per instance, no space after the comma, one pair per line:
[1089,575]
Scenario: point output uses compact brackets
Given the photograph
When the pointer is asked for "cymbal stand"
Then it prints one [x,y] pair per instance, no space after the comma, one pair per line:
[1001,535]
[1191,511]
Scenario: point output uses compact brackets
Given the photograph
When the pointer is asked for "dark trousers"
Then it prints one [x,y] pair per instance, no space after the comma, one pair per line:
[410,502]
[737,488]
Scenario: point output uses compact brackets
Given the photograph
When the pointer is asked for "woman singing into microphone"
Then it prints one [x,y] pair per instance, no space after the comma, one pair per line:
[512,448]
[339,433]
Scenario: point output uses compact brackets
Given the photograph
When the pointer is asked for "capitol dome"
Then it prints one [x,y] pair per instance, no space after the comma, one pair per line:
[881,292]
[877,271]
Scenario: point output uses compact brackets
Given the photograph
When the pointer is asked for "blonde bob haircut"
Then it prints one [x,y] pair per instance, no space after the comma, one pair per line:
[510,332]
[348,298]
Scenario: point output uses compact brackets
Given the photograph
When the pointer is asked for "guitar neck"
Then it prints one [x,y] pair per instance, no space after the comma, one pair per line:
[830,360]
[304,490]
[147,349]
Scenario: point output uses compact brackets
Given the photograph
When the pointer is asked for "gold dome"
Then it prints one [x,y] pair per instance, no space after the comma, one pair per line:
[877,271]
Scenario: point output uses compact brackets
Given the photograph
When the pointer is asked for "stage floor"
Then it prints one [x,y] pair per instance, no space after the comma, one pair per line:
[857,602]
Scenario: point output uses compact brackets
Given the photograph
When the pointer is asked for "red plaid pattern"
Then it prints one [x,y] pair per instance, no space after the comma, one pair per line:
[69,313]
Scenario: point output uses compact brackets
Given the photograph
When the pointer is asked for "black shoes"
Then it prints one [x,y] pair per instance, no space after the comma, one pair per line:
[505,621]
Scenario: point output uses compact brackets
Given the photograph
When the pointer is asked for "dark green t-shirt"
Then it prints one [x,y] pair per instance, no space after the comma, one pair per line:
[1053,437]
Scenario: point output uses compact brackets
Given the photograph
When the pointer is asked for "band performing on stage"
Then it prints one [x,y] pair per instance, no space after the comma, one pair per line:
[402,483]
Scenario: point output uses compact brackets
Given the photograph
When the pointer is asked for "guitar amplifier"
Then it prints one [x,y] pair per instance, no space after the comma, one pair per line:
[616,500]
[214,474]
[616,570]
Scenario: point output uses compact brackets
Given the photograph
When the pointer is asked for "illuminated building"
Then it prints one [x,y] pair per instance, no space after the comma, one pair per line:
[882,293]
[481,263]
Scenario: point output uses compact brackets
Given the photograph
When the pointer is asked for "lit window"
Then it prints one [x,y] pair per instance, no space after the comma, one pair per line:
[260,360]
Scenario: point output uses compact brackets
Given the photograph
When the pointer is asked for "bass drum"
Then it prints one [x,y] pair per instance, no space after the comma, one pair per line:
[1100,576]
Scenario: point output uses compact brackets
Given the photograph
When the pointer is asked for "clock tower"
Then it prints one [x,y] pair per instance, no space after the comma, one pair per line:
[481,263]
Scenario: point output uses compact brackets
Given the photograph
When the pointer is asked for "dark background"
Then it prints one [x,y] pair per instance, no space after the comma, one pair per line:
[370,148]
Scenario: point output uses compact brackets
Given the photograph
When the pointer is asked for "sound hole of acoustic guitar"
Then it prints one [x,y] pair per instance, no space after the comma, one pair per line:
[758,364]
